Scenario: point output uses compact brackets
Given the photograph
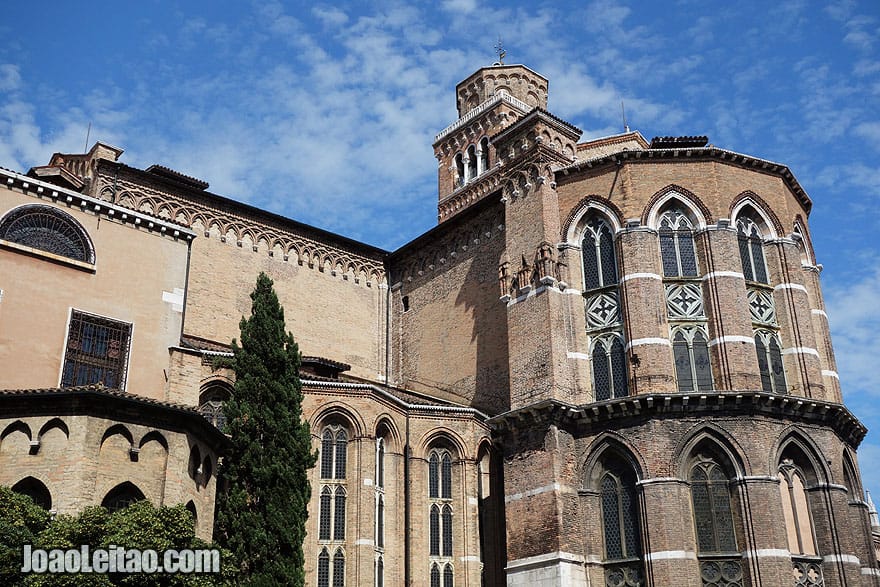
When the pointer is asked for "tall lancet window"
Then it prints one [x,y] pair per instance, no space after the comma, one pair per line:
[332,506]
[796,510]
[770,361]
[751,250]
[620,526]
[440,517]
[720,560]
[677,244]
[602,309]
[691,353]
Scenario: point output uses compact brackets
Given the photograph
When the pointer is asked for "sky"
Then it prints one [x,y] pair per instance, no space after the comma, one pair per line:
[326,112]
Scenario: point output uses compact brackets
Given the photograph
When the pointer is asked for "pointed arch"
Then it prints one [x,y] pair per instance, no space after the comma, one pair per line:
[610,444]
[794,444]
[122,496]
[672,195]
[36,490]
[340,414]
[154,436]
[572,228]
[749,200]
[17,426]
[851,475]
[442,438]
[119,429]
[710,438]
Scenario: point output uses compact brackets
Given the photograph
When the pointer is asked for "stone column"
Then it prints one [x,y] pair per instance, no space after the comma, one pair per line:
[765,542]
[731,339]
[670,544]
[643,304]
[800,356]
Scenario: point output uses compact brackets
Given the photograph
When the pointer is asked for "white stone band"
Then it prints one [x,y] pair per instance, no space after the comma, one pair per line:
[731,338]
[801,350]
[641,276]
[819,312]
[580,356]
[643,341]
[796,286]
[671,555]
[842,558]
[545,489]
[714,274]
[827,373]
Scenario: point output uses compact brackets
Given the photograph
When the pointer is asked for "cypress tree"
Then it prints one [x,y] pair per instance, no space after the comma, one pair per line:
[264,488]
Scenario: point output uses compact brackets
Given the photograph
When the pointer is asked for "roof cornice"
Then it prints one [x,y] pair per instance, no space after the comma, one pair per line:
[693,154]
[651,406]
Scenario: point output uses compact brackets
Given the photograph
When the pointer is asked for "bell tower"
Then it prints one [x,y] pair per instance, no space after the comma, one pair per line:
[488,101]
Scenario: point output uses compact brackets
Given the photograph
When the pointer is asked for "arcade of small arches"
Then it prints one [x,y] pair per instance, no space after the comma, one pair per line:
[472,162]
[130,463]
[676,219]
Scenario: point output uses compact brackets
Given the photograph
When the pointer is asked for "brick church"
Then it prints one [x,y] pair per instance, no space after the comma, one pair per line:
[608,364]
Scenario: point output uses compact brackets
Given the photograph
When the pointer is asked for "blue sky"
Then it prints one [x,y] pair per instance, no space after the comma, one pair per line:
[326,113]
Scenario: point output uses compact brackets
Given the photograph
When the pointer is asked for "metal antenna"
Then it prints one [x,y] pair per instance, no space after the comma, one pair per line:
[623,111]
[499,48]
[88,132]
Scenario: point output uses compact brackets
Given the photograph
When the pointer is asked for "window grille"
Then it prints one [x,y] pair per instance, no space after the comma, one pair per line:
[600,265]
[341,448]
[434,476]
[339,568]
[435,531]
[122,496]
[380,572]
[611,517]
[446,476]
[47,229]
[447,531]
[677,245]
[620,515]
[97,351]
[770,362]
[448,576]
[435,576]
[211,406]
[339,515]
[327,454]
[713,516]
[609,368]
[324,514]
[751,250]
[692,365]
[380,462]
[324,569]
[380,523]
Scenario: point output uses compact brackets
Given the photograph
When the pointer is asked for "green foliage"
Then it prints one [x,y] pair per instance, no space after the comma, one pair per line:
[20,522]
[261,515]
[140,525]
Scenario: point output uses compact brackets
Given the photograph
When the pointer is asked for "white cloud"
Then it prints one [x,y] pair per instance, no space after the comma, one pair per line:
[330,15]
[459,6]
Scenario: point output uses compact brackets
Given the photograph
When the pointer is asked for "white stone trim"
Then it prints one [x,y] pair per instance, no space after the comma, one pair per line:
[529,294]
[800,350]
[539,559]
[731,338]
[796,286]
[841,558]
[644,341]
[871,571]
[660,480]
[175,298]
[830,373]
[671,555]
[641,276]
[469,559]
[819,312]
[545,489]
[579,356]
[365,542]
[714,274]
[767,553]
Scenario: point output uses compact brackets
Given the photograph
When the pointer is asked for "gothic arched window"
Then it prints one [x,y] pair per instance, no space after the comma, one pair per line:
[459,170]
[677,244]
[334,441]
[770,362]
[691,353]
[471,161]
[122,496]
[484,155]
[751,250]
[796,510]
[609,367]
[380,572]
[36,490]
[440,514]
[713,515]
[339,568]
[620,515]
[597,247]
[211,404]
[47,229]
[324,568]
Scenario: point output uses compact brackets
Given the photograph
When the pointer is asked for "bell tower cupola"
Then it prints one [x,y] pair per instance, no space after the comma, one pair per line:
[488,101]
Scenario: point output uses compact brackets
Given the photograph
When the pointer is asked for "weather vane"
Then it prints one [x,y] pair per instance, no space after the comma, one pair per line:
[499,48]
